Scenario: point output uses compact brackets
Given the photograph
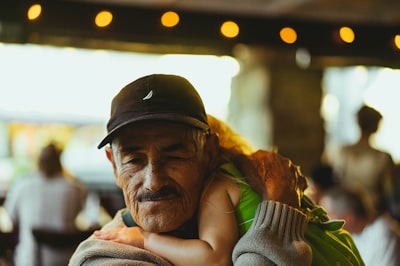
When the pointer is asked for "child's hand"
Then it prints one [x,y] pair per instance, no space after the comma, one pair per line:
[126,235]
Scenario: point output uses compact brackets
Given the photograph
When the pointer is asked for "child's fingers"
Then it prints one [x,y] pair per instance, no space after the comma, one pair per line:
[105,234]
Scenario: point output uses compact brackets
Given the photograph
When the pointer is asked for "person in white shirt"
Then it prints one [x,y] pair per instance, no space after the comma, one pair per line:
[47,199]
[375,239]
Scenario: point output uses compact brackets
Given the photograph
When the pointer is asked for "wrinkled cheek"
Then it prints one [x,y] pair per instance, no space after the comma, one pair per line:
[152,221]
[130,202]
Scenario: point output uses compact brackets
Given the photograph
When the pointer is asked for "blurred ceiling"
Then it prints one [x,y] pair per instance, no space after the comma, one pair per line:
[136,25]
[384,12]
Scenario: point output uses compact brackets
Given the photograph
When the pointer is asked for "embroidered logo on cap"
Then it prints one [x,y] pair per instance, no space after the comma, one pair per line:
[148,96]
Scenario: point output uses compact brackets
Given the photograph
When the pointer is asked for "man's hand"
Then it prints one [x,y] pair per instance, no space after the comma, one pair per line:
[274,177]
[125,235]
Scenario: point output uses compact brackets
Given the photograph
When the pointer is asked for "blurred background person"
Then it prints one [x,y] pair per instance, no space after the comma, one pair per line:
[363,168]
[394,200]
[320,180]
[47,199]
[377,243]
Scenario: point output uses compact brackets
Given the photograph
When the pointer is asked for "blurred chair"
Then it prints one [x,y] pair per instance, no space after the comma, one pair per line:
[55,247]
[8,242]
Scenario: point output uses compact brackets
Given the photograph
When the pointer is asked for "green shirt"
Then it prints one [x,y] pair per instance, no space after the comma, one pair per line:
[249,200]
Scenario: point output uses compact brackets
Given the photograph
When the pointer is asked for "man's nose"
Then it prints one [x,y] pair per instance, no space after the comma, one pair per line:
[154,178]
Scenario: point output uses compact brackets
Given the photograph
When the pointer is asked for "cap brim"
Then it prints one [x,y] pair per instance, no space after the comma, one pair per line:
[177,118]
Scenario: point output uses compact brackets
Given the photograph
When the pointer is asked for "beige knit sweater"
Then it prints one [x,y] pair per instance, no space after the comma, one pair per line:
[275,238]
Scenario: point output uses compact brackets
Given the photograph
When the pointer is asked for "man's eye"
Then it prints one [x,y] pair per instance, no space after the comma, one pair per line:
[176,157]
[134,161]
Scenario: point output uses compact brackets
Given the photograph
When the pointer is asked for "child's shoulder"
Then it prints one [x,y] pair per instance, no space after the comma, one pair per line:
[224,187]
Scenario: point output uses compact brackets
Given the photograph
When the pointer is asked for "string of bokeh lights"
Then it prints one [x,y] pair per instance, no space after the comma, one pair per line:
[228,29]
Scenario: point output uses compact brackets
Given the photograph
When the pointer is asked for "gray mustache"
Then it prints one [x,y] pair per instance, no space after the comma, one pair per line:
[164,192]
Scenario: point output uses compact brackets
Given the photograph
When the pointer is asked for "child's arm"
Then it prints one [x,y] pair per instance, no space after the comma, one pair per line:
[218,232]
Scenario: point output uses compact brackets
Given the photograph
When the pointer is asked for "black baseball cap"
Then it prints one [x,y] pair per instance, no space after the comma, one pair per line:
[156,97]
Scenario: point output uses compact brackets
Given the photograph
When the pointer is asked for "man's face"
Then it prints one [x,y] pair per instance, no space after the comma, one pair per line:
[161,170]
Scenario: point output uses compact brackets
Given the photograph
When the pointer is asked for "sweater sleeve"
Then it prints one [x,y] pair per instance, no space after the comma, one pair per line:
[94,252]
[276,237]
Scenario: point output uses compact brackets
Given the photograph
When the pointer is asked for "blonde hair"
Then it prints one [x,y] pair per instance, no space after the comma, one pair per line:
[235,148]
[231,145]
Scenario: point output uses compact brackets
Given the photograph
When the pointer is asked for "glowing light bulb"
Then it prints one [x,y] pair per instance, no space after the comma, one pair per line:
[229,29]
[170,19]
[34,11]
[288,35]
[396,41]
[347,34]
[103,19]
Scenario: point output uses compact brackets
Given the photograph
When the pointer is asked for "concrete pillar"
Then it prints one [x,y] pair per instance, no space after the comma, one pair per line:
[276,105]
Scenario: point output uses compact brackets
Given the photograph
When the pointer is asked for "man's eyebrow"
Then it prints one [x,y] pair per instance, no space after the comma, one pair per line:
[131,149]
[176,147]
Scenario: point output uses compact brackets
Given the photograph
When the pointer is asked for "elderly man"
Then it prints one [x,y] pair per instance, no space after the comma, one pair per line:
[162,153]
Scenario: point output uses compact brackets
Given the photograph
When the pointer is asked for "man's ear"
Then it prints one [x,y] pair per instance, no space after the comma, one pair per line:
[110,157]
[109,154]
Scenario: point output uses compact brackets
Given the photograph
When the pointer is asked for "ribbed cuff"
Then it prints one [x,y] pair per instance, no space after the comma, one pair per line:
[289,223]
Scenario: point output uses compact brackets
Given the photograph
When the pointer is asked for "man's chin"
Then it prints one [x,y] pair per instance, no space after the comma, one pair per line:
[162,221]
[157,226]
